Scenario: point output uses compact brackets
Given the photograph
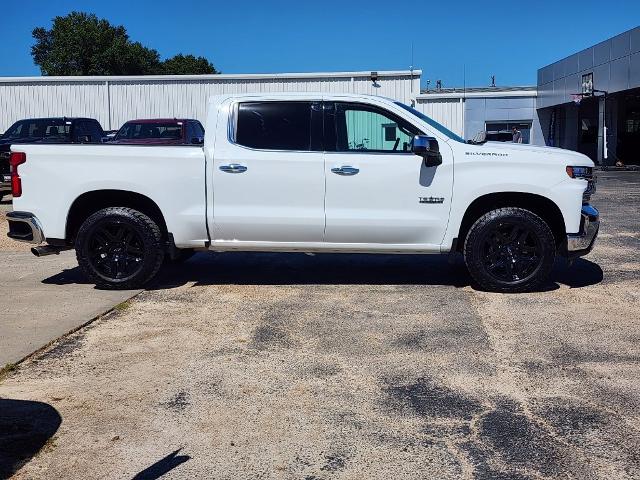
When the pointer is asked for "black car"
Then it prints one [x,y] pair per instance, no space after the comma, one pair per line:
[45,130]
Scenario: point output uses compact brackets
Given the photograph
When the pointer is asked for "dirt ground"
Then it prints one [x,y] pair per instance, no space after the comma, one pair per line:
[6,244]
[351,367]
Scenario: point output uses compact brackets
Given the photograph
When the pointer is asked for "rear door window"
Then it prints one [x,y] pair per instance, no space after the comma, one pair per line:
[278,126]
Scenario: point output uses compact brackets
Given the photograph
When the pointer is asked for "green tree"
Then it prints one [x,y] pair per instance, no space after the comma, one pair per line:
[187,65]
[83,44]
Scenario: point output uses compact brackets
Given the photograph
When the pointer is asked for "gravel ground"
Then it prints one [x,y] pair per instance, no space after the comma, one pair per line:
[6,244]
[350,367]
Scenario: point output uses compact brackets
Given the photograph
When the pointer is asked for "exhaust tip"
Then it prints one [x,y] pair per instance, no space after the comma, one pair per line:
[45,250]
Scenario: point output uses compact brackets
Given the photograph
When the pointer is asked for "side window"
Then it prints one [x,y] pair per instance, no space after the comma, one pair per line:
[199,129]
[277,126]
[95,130]
[80,130]
[360,127]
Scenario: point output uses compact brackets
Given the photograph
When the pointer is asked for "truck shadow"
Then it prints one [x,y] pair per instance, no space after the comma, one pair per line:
[333,269]
[25,427]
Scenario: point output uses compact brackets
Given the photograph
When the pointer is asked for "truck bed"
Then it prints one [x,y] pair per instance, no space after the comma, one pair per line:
[173,177]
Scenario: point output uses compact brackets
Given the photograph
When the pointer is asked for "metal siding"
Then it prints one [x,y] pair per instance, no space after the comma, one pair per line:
[18,101]
[447,111]
[114,101]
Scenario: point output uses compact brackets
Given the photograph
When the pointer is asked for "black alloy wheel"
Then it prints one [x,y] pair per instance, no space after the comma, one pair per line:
[119,248]
[116,250]
[510,249]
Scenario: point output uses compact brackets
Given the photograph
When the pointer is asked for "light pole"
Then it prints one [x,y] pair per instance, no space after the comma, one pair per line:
[605,150]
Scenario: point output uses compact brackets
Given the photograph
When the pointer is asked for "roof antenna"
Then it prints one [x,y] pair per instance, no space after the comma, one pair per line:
[493,81]
[413,101]
[464,80]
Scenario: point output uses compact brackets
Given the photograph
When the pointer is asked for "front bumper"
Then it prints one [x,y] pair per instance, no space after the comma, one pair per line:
[25,227]
[579,244]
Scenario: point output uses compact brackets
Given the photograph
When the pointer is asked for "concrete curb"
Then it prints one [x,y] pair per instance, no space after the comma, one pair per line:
[4,371]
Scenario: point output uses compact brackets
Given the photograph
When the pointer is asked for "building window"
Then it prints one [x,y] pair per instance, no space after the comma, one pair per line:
[390,132]
[503,131]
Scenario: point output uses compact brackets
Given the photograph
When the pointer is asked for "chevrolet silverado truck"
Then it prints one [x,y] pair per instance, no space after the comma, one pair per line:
[305,172]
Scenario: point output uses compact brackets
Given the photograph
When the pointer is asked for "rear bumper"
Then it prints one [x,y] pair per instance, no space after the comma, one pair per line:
[25,227]
[581,243]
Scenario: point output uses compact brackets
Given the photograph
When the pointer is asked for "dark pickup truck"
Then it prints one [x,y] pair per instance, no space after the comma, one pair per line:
[160,131]
[45,130]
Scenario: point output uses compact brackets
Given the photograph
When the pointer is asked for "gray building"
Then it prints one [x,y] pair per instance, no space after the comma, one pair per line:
[612,69]
[494,110]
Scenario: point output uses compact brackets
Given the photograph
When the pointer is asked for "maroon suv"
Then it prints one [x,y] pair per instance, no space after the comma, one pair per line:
[160,131]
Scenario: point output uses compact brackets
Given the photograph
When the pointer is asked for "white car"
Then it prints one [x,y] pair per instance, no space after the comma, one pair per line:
[304,172]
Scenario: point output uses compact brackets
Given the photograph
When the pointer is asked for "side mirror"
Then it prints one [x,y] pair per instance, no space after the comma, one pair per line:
[428,149]
[84,139]
[197,140]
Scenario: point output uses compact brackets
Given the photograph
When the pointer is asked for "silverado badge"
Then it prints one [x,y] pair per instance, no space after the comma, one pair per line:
[431,199]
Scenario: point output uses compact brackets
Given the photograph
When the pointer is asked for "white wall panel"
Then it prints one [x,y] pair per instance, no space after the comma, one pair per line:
[114,100]
[447,111]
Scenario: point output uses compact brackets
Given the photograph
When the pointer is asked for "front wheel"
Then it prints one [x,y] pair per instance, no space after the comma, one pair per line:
[119,248]
[510,250]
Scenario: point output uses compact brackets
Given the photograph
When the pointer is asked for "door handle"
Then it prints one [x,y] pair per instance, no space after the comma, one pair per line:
[345,170]
[233,168]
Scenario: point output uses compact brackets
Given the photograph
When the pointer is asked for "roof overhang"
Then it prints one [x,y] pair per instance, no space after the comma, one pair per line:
[214,77]
[459,95]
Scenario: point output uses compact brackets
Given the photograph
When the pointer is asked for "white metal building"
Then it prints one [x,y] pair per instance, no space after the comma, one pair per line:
[114,100]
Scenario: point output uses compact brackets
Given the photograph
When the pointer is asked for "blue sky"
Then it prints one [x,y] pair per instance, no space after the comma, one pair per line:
[510,40]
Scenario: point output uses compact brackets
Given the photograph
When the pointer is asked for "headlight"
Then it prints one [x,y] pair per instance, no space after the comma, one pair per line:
[584,173]
[580,172]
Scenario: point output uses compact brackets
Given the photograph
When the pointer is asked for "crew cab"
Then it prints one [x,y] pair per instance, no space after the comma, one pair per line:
[160,132]
[304,172]
[45,130]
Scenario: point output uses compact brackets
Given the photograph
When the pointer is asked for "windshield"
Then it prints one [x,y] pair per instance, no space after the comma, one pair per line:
[442,129]
[39,128]
[147,130]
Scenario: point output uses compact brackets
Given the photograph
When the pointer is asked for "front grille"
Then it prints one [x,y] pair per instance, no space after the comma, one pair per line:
[591,188]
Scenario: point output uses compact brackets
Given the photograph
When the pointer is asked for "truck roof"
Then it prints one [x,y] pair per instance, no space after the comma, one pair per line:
[156,120]
[295,95]
[57,118]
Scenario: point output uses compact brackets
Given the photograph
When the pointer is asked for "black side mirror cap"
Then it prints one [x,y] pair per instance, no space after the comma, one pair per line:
[197,140]
[427,148]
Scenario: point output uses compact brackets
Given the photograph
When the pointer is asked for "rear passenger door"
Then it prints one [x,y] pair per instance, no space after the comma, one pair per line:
[268,178]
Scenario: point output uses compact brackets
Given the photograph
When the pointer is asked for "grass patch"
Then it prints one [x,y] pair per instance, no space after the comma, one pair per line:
[123,306]
[7,370]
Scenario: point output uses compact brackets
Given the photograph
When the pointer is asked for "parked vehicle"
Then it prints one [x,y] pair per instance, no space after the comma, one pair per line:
[160,132]
[307,173]
[45,130]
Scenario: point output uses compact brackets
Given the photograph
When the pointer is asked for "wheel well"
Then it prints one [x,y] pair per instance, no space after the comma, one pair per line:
[541,206]
[90,202]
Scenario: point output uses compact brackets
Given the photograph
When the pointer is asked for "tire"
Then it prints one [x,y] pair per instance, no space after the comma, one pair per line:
[510,250]
[181,256]
[119,248]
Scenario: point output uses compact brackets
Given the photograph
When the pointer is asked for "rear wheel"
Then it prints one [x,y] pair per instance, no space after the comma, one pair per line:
[510,250]
[119,248]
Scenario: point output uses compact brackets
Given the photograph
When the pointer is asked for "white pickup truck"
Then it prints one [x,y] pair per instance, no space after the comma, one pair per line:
[305,172]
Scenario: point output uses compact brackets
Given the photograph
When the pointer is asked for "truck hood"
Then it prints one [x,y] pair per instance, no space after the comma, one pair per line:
[543,154]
